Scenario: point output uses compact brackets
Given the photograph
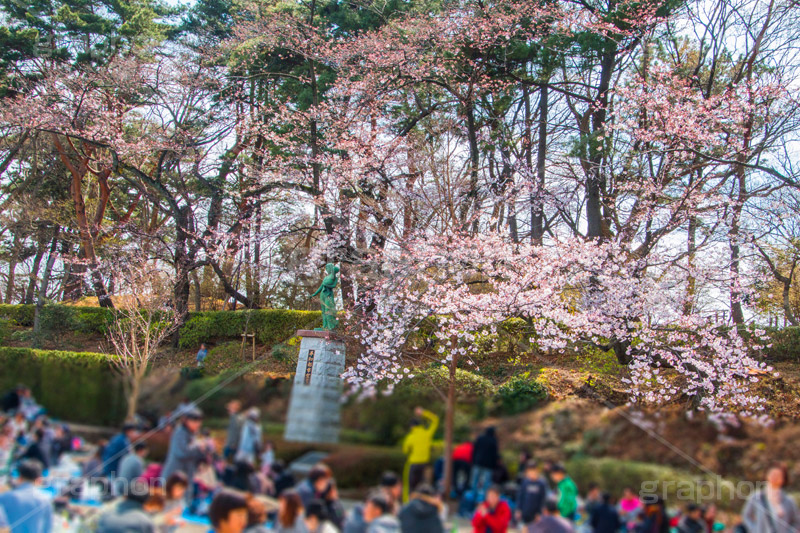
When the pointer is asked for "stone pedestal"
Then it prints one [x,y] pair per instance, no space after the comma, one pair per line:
[317,390]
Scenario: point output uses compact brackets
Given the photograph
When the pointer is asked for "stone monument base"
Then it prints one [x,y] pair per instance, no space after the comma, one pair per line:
[314,407]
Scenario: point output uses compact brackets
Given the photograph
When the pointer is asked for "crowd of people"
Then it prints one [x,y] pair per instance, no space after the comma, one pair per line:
[240,486]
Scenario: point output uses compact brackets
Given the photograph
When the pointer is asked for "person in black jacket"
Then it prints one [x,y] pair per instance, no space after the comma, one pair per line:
[485,457]
[13,398]
[532,494]
[38,449]
[422,512]
[692,521]
[605,517]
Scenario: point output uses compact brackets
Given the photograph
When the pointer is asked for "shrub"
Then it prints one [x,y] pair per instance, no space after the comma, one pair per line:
[21,315]
[270,325]
[78,387]
[226,356]
[93,319]
[785,344]
[5,330]
[468,384]
[220,387]
[58,319]
[614,475]
[520,393]
[362,466]
[284,352]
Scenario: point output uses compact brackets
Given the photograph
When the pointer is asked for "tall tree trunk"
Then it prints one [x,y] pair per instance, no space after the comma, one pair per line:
[198,296]
[787,304]
[537,209]
[691,280]
[41,242]
[470,205]
[72,288]
[737,312]
[12,269]
[86,232]
[595,179]
[256,296]
[449,417]
[44,283]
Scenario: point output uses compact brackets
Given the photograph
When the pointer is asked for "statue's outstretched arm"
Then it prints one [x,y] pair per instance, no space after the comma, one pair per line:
[318,291]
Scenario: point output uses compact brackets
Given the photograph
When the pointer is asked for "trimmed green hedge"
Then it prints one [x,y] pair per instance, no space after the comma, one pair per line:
[614,475]
[271,326]
[84,319]
[77,387]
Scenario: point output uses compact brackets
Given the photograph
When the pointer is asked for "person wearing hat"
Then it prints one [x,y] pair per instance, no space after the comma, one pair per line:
[184,449]
[250,438]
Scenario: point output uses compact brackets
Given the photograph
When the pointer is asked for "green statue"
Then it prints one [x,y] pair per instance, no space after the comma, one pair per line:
[327,299]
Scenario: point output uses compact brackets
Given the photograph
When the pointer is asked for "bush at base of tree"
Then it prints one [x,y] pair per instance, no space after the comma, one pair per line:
[520,393]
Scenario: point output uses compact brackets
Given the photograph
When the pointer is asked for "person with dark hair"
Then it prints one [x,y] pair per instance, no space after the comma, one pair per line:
[133,513]
[493,515]
[655,516]
[93,468]
[417,448]
[117,448]
[131,467]
[391,489]
[202,353]
[184,450]
[422,512]
[25,509]
[228,512]
[37,450]
[320,485]
[630,506]
[485,459]
[593,499]
[13,399]
[567,492]
[772,509]
[378,514]
[604,517]
[290,513]
[551,520]
[692,520]
[531,494]
[175,489]
[256,515]
[234,430]
[281,477]
[317,519]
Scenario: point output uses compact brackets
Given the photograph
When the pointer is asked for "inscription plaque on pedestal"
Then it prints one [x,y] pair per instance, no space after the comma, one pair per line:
[314,407]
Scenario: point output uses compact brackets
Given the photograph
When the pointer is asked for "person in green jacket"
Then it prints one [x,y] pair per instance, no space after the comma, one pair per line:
[417,448]
[567,492]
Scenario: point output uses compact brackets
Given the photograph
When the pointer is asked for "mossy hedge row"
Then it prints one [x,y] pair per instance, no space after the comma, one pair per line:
[74,386]
[269,325]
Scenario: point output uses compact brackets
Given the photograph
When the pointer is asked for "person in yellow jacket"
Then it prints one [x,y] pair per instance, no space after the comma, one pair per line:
[417,447]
